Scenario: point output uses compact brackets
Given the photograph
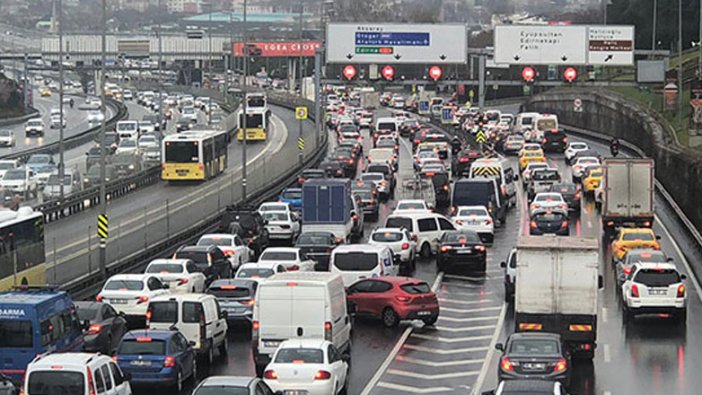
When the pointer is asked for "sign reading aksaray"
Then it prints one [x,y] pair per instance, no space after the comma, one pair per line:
[269,49]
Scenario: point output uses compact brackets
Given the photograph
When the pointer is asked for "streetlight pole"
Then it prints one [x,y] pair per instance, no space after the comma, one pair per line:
[61,118]
[245,54]
[159,116]
[103,143]
[299,73]
[655,22]
[209,60]
[699,64]
[680,64]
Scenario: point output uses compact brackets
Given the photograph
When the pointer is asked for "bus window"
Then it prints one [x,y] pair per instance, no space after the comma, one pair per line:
[16,334]
[182,152]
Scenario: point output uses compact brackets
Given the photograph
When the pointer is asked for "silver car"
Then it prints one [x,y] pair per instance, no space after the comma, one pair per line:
[239,385]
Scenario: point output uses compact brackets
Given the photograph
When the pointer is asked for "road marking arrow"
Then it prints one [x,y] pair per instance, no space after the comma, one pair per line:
[438,364]
[451,339]
[431,376]
[433,350]
[414,390]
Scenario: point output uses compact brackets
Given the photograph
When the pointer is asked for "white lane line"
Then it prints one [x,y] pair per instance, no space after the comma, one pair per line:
[466,329]
[490,351]
[471,319]
[604,315]
[607,393]
[483,301]
[691,274]
[417,361]
[607,354]
[450,339]
[441,376]
[433,350]
[396,349]
[413,390]
[492,308]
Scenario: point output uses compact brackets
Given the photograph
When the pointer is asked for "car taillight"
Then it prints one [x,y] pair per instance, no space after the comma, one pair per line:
[681,291]
[322,375]
[488,221]
[169,362]
[115,358]
[255,327]
[328,331]
[634,291]
[229,252]
[301,180]
[561,365]
[91,383]
[270,375]
[405,246]
[403,299]
[506,364]
[627,270]
[564,224]
[446,188]
[143,299]
[532,224]
[463,160]
[293,268]
[458,222]
[445,248]
[94,329]
[247,302]
[99,298]
[480,248]
[577,195]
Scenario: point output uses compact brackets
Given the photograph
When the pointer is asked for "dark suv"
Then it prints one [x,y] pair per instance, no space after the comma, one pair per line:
[209,259]
[248,224]
[554,141]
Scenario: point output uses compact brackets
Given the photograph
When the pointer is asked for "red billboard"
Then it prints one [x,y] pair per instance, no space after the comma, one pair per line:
[272,49]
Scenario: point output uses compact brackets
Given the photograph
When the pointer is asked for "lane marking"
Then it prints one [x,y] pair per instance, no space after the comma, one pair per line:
[489,308]
[490,351]
[607,354]
[433,350]
[414,390]
[691,274]
[484,301]
[465,329]
[471,319]
[442,339]
[604,315]
[440,376]
[438,364]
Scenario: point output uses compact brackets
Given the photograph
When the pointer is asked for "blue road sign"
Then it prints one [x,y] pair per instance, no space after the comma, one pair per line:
[446,114]
[423,106]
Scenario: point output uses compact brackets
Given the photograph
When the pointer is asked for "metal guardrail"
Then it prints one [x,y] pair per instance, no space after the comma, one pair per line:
[17,120]
[87,286]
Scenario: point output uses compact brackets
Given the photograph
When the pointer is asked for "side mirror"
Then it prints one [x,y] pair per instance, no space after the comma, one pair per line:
[670,259]
[683,276]
[223,315]
[127,376]
[503,264]
[414,237]
[86,324]
[346,358]
[600,282]
[166,286]
[192,343]
[499,347]
[658,237]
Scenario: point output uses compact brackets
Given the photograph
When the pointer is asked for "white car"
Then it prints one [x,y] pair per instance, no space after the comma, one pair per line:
[573,148]
[273,206]
[231,245]
[146,127]
[127,94]
[91,103]
[291,257]
[530,168]
[181,275]
[95,117]
[654,288]
[130,293]
[411,205]
[127,146]
[259,271]
[34,126]
[309,366]
[580,165]
[7,138]
[20,181]
[56,121]
[282,225]
[546,200]
[476,218]
[148,141]
[401,243]
[189,114]
[6,165]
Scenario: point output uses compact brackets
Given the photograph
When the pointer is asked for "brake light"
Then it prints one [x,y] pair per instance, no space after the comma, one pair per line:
[646,224]
[634,291]
[300,180]
[488,221]
[463,160]
[405,246]
[504,189]
[99,298]
[506,364]
[115,358]
[293,268]
[328,331]
[322,375]
[143,299]
[270,374]
[247,302]
[229,252]
[445,248]
[201,166]
[458,222]
[91,383]
[681,291]
[480,248]
[403,299]
[561,365]
[169,362]
[532,224]
[183,281]
[446,188]
[564,224]
[94,329]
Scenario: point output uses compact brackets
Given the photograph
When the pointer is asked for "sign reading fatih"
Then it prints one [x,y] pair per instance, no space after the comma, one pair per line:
[396,43]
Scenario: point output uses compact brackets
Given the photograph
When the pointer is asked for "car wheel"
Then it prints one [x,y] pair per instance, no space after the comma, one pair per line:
[193,374]
[390,318]
[224,348]
[426,250]
[430,321]
[628,315]
[681,316]
[210,355]
[179,382]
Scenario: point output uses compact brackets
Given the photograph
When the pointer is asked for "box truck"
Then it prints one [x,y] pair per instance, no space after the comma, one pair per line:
[627,193]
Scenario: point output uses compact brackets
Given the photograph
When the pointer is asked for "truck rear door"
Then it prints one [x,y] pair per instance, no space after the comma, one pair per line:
[308,311]
[274,315]
[640,189]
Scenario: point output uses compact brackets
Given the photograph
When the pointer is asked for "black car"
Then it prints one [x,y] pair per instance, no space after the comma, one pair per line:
[571,194]
[309,174]
[248,224]
[209,259]
[461,249]
[318,246]
[554,141]
[182,125]
[534,356]
[549,221]
[348,160]
[103,325]
[460,163]
[235,296]
[368,193]
[387,171]
[530,387]
[408,127]
[442,186]
[356,146]
[333,168]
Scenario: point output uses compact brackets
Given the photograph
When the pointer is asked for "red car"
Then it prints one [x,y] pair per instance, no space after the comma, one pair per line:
[393,299]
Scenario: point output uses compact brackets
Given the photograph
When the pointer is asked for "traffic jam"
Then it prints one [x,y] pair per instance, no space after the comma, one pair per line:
[408,225]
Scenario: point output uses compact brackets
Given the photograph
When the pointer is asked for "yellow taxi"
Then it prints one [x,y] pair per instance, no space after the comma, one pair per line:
[592,179]
[630,238]
[44,91]
[530,147]
[530,156]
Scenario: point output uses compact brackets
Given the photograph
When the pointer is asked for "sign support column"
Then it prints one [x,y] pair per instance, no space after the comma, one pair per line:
[481,81]
[317,93]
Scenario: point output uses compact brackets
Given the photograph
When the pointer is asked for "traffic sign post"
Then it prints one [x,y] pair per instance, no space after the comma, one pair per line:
[102,229]
[300,113]
[577,105]
[301,144]
[447,115]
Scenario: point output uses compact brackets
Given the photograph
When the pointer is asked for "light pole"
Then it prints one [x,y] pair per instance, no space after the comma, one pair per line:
[159,116]
[245,54]
[655,22]
[299,73]
[61,169]
[680,64]
[699,63]
[103,145]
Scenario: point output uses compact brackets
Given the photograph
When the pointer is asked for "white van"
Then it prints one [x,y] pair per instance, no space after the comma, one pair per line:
[197,316]
[127,129]
[543,123]
[502,170]
[383,155]
[359,261]
[75,374]
[386,123]
[524,120]
[426,229]
[298,305]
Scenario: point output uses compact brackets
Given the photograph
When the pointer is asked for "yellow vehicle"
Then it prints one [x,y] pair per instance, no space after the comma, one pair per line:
[630,238]
[44,91]
[257,124]
[592,179]
[531,157]
[194,155]
[22,259]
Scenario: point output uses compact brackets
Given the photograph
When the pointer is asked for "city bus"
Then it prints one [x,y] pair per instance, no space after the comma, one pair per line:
[257,124]
[256,100]
[22,259]
[194,155]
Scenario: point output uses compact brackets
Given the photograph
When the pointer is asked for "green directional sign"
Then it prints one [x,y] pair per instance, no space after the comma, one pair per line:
[480,137]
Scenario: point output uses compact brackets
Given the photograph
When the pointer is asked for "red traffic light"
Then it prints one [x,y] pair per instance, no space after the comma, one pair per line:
[349,72]
[570,74]
[388,72]
[435,72]
[528,74]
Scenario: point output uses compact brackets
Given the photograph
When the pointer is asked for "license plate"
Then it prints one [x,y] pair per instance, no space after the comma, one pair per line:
[658,291]
[535,366]
[295,392]
[182,172]
[118,301]
[464,251]
[422,313]
[271,343]
[140,363]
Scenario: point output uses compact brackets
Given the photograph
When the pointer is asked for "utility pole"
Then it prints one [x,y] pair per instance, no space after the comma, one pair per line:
[699,64]
[317,95]
[481,81]
[230,58]
[61,169]
[245,53]
[681,90]
[299,74]
[26,82]
[159,116]
[103,145]
[655,22]
[209,60]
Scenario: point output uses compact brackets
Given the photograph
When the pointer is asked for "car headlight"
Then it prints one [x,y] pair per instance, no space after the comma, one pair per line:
[131,167]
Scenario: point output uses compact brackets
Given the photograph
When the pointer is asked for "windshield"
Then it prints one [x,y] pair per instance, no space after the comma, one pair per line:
[278,256]
[461,237]
[377,169]
[182,152]
[356,261]
[39,159]
[387,237]
[124,285]
[399,222]
[14,175]
[311,239]
[578,146]
[645,256]
[215,240]
[387,126]
[291,194]
[164,311]
[126,126]
[54,180]
[372,177]
[299,355]
[546,175]
[643,236]
[7,165]
[5,133]
[417,288]
[534,347]
[549,217]
[222,390]
[657,277]
[142,346]
[466,212]
[275,216]
[165,268]
[255,273]
[546,124]
[411,206]
[34,123]
[547,198]
[364,194]
[87,313]
[51,382]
